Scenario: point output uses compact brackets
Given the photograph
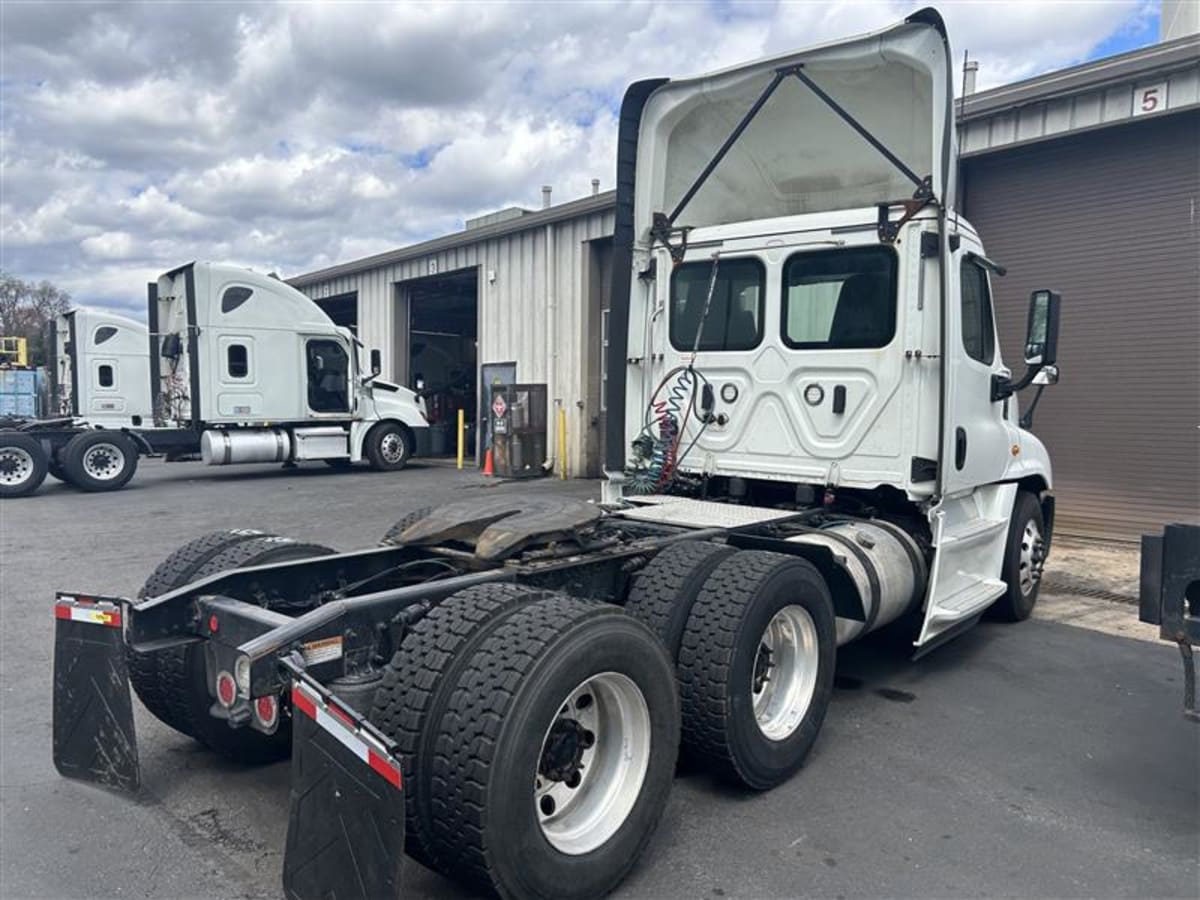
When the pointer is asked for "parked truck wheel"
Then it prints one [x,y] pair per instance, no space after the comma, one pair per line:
[665,590]
[416,689]
[756,667]
[401,525]
[23,464]
[99,460]
[159,677]
[388,446]
[556,752]
[1024,554]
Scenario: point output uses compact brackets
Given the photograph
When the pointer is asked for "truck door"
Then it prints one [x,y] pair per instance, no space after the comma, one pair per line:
[979,441]
[327,368]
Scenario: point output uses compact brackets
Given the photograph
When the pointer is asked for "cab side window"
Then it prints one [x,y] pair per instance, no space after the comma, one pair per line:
[328,376]
[978,331]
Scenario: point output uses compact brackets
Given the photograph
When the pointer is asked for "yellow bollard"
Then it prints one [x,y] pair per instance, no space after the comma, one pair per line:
[562,444]
[462,437]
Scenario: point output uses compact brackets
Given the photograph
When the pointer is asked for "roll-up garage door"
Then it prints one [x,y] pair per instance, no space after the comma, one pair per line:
[1111,219]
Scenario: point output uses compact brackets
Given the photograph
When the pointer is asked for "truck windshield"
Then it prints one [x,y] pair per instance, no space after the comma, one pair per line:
[840,299]
[734,320]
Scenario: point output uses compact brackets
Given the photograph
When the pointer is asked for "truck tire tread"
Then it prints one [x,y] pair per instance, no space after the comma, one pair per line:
[665,590]
[470,754]
[710,720]
[159,677]
[416,685]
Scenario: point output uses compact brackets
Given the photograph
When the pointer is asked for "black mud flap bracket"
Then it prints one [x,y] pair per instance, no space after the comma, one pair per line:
[1170,596]
[345,835]
[94,738]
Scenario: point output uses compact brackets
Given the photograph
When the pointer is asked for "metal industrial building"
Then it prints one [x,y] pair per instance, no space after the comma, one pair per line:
[1086,180]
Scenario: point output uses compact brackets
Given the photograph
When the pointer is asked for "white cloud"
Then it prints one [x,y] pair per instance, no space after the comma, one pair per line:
[293,136]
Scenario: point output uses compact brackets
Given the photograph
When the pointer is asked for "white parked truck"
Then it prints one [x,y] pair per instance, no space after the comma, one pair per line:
[100,370]
[242,368]
[820,439]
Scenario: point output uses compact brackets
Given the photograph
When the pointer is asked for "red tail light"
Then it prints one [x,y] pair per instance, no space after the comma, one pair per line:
[226,689]
[266,711]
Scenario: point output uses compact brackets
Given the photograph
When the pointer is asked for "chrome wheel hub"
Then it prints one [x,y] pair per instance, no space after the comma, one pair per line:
[784,678]
[1033,557]
[391,448]
[103,462]
[16,466]
[592,764]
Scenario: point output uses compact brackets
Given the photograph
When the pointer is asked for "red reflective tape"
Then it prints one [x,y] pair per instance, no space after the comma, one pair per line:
[304,703]
[62,611]
[384,767]
[114,619]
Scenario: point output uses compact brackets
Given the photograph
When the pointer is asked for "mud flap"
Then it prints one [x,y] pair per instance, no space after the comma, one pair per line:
[345,834]
[94,738]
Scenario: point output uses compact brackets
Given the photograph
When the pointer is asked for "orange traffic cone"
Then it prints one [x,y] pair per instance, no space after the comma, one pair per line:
[487,463]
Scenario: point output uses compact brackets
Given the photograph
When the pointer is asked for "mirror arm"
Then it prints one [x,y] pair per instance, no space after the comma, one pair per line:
[1026,421]
[1003,387]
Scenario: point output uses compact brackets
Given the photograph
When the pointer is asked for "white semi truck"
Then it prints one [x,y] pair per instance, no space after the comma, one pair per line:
[100,368]
[820,439]
[241,368]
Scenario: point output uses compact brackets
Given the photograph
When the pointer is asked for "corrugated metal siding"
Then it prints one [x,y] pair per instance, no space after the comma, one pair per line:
[1112,220]
[515,312]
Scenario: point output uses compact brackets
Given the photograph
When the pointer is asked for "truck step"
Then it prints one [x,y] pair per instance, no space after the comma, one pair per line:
[967,601]
[971,532]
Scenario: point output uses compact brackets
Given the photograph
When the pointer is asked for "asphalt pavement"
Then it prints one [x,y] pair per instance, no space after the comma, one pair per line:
[1036,760]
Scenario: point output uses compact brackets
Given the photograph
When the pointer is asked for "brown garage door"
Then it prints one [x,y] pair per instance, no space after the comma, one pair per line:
[1111,219]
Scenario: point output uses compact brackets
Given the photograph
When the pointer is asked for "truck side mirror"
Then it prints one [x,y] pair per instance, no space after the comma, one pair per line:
[376,362]
[1041,335]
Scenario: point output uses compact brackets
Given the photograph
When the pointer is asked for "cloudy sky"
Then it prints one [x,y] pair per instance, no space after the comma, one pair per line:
[291,137]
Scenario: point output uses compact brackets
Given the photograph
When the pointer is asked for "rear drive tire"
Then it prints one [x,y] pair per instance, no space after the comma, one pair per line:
[663,593]
[411,518]
[1023,560]
[160,678]
[99,460]
[416,689]
[756,667]
[23,464]
[388,447]
[556,752]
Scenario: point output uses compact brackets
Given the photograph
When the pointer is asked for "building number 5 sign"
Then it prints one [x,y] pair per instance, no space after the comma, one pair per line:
[1151,98]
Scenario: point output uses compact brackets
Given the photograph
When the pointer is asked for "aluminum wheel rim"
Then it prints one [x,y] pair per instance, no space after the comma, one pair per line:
[391,448]
[784,678]
[16,466]
[1029,569]
[581,811]
[103,461]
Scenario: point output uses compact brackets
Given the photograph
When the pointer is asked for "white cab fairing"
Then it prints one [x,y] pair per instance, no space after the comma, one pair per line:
[797,155]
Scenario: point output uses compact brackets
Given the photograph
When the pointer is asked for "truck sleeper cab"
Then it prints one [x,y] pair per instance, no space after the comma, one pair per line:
[236,367]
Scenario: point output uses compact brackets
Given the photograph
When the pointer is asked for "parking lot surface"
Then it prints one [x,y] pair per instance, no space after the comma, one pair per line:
[1036,760]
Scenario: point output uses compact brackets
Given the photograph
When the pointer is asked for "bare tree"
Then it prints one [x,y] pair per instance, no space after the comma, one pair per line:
[26,310]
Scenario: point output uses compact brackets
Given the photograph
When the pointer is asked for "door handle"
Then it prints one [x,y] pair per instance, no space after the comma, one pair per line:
[839,399]
[960,448]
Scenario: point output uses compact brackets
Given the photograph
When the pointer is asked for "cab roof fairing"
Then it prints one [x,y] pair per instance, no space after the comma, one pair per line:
[797,155]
